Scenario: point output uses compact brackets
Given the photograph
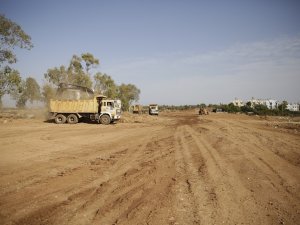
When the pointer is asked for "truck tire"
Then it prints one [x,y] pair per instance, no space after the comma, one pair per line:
[105,119]
[60,119]
[72,119]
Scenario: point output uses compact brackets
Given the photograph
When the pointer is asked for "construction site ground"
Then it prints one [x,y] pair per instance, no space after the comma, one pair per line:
[175,168]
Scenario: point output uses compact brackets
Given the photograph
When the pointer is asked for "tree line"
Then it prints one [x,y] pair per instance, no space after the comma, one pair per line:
[77,72]
[257,109]
[248,108]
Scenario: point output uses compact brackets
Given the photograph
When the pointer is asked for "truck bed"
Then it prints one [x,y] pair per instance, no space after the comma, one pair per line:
[74,106]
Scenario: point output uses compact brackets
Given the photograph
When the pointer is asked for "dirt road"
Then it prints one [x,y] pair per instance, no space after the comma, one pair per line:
[178,168]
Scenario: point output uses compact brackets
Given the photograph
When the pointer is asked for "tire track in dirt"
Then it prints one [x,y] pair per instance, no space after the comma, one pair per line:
[58,185]
[229,192]
[195,203]
[274,192]
[266,159]
[121,193]
[186,170]
[233,199]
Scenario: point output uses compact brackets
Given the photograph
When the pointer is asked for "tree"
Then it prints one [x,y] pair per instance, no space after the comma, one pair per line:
[128,93]
[48,92]
[105,85]
[10,81]
[75,65]
[89,60]
[19,95]
[202,105]
[75,73]
[231,108]
[11,35]
[32,91]
[261,109]
[29,90]
[283,106]
[57,75]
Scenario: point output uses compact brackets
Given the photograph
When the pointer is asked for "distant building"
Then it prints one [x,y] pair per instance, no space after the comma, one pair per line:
[271,104]
[238,102]
[254,102]
[293,107]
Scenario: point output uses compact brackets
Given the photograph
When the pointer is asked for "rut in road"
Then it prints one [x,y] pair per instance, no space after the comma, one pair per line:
[213,191]
[262,175]
[188,169]
[133,184]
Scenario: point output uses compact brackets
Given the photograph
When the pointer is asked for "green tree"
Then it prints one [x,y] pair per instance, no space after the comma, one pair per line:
[105,85]
[29,90]
[48,92]
[19,95]
[231,108]
[128,93]
[82,79]
[283,106]
[10,81]
[57,75]
[32,91]
[90,61]
[261,109]
[75,65]
[75,73]
[202,105]
[11,35]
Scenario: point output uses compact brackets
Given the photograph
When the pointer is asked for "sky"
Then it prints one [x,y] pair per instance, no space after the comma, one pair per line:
[175,52]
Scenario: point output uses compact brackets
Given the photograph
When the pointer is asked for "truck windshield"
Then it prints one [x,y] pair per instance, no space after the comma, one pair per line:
[110,104]
[117,105]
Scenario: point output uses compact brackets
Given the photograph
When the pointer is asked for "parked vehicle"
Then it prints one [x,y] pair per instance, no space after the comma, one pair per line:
[136,109]
[203,111]
[153,109]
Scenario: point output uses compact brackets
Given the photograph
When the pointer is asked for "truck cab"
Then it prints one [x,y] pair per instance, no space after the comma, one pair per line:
[153,109]
[112,108]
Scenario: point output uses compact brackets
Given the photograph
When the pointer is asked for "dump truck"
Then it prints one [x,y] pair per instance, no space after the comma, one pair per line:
[75,102]
[153,109]
[203,111]
[136,109]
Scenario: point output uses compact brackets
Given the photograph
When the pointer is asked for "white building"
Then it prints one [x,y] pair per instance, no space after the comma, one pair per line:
[238,102]
[271,104]
[293,107]
[254,102]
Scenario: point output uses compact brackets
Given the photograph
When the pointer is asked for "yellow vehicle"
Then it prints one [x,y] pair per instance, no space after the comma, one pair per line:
[136,109]
[75,102]
[203,111]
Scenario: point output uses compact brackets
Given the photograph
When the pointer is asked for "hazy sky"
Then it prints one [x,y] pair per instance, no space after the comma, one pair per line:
[176,52]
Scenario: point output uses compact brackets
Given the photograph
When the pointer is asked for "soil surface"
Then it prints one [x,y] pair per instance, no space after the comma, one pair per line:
[175,168]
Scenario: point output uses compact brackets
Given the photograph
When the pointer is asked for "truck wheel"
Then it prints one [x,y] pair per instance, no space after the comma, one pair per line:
[72,119]
[60,119]
[105,119]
